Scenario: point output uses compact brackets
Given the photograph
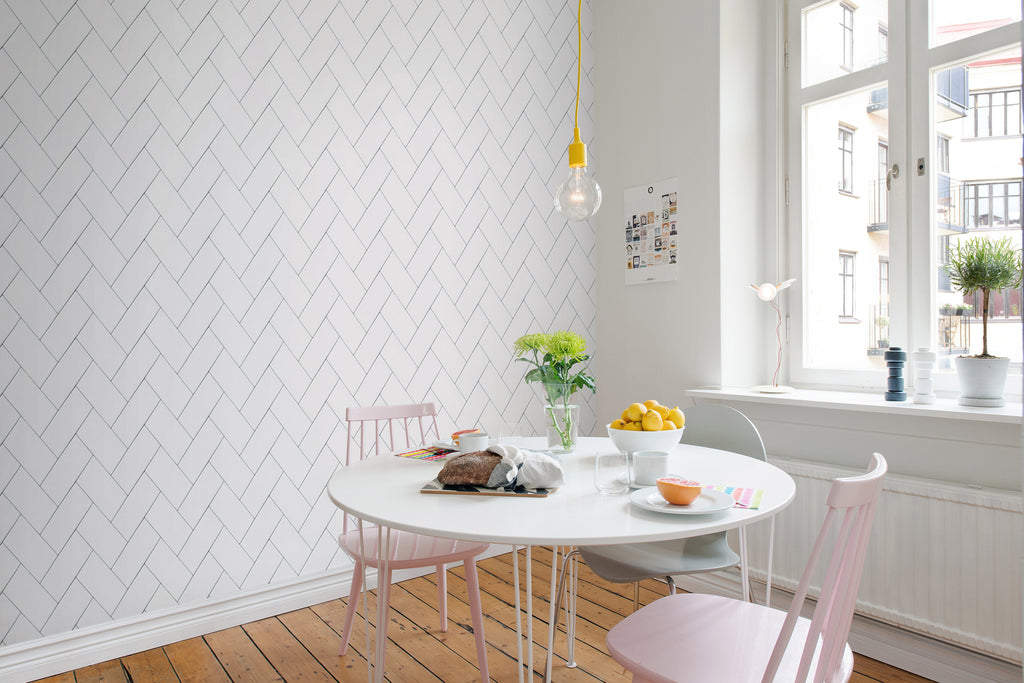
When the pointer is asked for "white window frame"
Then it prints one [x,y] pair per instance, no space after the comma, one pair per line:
[912,253]
[848,277]
[845,10]
[846,150]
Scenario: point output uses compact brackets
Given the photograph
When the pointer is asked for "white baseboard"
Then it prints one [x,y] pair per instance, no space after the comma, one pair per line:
[43,657]
[918,654]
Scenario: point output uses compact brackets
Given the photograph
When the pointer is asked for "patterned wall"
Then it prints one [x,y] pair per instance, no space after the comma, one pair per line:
[224,221]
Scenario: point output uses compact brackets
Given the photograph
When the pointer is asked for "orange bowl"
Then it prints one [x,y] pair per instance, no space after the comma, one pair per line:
[678,491]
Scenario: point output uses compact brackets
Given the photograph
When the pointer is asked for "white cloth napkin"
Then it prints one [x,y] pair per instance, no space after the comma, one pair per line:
[528,469]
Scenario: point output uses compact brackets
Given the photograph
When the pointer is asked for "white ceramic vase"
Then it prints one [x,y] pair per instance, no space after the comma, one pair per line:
[982,380]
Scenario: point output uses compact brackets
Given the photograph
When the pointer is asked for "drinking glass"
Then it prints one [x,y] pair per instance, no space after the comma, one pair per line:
[510,433]
[611,475]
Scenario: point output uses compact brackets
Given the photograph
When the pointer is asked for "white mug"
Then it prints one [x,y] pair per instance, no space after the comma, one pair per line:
[648,466]
[473,442]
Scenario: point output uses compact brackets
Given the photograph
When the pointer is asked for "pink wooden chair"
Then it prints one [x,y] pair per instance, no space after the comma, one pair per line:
[695,637]
[374,429]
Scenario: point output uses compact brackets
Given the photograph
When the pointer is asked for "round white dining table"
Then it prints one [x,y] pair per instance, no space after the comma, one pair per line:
[386,490]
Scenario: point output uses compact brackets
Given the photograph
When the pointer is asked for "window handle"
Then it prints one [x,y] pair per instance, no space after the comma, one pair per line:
[893,172]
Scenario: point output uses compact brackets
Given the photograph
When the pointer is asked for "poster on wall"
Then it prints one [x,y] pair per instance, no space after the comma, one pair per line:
[652,238]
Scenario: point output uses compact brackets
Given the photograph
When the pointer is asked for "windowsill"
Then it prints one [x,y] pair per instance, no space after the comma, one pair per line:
[848,320]
[946,408]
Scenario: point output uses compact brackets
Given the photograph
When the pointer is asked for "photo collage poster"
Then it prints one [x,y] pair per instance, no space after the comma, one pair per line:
[652,236]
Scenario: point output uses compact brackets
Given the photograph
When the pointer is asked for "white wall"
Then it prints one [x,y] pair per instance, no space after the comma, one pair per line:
[221,224]
[656,100]
[747,193]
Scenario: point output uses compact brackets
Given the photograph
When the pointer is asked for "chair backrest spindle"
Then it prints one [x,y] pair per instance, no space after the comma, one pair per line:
[359,419]
[851,502]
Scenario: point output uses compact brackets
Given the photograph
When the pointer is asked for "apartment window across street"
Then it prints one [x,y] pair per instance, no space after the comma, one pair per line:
[992,205]
[942,154]
[845,159]
[846,25]
[936,100]
[846,275]
[993,114]
[883,283]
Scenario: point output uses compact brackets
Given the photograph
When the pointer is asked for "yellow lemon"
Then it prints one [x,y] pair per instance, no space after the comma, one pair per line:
[625,415]
[636,412]
[661,410]
[651,404]
[668,424]
[652,421]
[676,416]
[618,424]
[633,427]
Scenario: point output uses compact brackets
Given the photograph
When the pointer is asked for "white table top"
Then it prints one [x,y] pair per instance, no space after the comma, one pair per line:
[386,490]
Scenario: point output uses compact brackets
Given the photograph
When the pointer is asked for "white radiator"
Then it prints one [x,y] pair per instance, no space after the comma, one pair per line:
[944,560]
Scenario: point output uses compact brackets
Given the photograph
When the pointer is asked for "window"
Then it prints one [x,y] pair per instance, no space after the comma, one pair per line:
[846,26]
[921,102]
[993,114]
[992,205]
[883,44]
[883,284]
[846,265]
[845,159]
[942,154]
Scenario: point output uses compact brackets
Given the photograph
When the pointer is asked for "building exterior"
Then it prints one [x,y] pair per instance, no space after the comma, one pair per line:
[976,189]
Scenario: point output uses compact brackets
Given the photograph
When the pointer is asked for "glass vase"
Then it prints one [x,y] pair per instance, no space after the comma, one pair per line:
[561,417]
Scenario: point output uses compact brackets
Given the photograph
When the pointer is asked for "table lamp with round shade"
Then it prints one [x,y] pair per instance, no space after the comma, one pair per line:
[768,292]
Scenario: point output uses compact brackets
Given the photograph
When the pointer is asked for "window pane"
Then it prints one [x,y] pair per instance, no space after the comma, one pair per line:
[956,19]
[846,233]
[984,189]
[839,38]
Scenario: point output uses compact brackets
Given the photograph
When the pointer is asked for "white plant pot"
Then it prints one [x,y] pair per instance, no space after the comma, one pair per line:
[982,380]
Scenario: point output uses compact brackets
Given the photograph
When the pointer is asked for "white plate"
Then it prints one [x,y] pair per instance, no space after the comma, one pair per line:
[708,501]
[445,444]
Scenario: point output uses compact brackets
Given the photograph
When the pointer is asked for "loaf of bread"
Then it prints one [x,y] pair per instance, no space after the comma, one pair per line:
[473,468]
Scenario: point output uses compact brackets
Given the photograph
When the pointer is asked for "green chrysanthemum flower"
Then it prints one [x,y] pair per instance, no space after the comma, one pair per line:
[564,345]
[530,342]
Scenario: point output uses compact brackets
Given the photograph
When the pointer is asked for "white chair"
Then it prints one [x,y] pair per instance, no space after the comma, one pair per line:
[696,637]
[707,424]
[713,426]
[417,422]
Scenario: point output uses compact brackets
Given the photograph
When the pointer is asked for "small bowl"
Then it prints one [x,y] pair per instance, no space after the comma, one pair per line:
[632,442]
[677,490]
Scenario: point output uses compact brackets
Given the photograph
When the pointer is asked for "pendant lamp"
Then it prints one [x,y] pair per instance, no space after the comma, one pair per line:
[578,197]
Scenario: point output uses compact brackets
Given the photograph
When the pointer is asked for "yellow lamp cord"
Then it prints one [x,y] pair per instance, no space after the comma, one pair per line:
[579,62]
[578,150]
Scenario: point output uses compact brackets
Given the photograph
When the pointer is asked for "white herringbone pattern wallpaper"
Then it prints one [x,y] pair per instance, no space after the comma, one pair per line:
[224,221]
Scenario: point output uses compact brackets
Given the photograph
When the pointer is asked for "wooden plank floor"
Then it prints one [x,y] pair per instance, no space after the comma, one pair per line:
[303,645]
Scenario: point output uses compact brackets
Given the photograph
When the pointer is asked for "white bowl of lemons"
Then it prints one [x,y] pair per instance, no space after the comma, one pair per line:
[647,426]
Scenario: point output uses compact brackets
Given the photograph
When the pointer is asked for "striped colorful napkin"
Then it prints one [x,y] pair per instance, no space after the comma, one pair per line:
[748,499]
[428,453]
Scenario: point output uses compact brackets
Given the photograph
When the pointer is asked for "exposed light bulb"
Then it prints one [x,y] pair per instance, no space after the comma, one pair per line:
[766,292]
[578,197]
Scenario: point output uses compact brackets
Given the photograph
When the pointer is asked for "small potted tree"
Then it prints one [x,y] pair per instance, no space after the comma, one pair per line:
[882,325]
[983,265]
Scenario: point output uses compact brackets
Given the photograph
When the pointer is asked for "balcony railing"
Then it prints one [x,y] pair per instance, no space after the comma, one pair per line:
[878,329]
[951,96]
[878,206]
[951,90]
